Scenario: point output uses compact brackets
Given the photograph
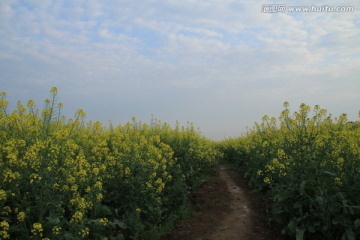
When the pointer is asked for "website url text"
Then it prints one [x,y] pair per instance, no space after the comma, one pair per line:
[282,8]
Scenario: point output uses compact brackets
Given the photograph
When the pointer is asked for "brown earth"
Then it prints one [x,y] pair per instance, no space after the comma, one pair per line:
[224,209]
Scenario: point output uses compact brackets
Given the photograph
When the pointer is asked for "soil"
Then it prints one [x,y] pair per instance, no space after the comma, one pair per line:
[225,209]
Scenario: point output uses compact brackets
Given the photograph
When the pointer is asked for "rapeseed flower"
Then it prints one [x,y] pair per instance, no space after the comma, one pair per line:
[56,230]
[77,217]
[338,181]
[84,232]
[103,221]
[267,180]
[99,196]
[6,210]
[21,216]
[160,185]
[37,229]
[4,225]
[98,185]
[95,171]
[2,195]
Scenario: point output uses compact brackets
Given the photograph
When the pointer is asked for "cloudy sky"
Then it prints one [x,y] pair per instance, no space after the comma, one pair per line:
[221,64]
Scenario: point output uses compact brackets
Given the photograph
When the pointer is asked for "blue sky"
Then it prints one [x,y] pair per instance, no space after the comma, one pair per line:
[221,64]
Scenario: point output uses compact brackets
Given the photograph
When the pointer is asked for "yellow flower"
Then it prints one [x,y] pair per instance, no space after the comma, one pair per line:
[103,167]
[5,228]
[99,196]
[4,235]
[56,230]
[340,162]
[6,211]
[98,185]
[104,221]
[77,217]
[54,90]
[267,180]
[153,175]
[21,216]
[160,184]
[31,103]
[4,225]
[338,181]
[80,113]
[71,180]
[95,171]
[2,195]
[3,102]
[148,185]
[127,171]
[74,188]
[37,229]
[138,211]
[270,168]
[84,232]
[9,176]
[34,177]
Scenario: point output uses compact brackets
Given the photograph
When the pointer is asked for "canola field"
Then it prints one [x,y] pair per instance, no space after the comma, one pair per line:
[67,178]
[71,179]
[308,163]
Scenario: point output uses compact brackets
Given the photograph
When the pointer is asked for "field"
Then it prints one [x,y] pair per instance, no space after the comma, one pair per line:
[70,179]
[67,178]
[309,164]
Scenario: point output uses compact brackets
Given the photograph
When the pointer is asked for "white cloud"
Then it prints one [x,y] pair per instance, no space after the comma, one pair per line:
[203,61]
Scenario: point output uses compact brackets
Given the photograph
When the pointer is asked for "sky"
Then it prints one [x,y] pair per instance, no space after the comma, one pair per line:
[220,64]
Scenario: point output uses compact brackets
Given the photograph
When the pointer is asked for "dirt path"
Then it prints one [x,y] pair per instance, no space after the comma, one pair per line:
[239,224]
[225,209]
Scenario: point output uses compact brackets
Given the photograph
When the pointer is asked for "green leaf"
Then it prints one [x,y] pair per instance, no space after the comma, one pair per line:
[350,234]
[339,219]
[300,233]
[302,188]
[311,229]
[292,225]
[103,211]
[120,224]
[53,220]
[284,195]
[329,173]
[319,200]
[357,223]
[298,204]
[277,209]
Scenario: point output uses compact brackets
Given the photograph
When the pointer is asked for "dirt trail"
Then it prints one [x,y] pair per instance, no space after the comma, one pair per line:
[239,224]
[225,209]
